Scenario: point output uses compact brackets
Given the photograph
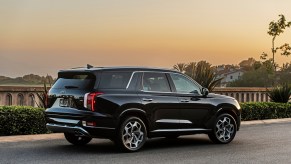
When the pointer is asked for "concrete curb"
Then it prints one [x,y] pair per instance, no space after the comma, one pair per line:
[34,137]
[55,136]
[269,121]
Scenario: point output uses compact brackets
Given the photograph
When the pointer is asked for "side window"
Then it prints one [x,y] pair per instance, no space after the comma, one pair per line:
[114,80]
[183,84]
[155,82]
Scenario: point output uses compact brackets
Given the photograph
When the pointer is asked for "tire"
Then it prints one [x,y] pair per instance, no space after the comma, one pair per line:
[224,129]
[77,140]
[132,134]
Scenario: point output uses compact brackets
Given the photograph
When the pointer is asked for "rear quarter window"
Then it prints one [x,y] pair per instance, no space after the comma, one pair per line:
[114,80]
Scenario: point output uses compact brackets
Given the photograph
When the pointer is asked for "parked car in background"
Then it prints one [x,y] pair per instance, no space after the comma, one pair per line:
[132,104]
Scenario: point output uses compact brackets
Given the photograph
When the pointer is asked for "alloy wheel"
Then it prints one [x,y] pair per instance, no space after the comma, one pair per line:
[225,129]
[133,135]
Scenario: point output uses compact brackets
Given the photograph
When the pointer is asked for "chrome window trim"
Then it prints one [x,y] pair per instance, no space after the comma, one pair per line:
[130,80]
[142,72]
[155,91]
[165,72]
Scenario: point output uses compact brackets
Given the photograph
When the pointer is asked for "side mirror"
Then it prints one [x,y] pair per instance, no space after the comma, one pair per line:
[205,92]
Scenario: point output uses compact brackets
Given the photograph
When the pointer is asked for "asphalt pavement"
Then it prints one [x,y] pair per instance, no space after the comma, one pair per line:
[256,142]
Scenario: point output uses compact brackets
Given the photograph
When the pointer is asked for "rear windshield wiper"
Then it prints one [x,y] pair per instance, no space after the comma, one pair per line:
[70,87]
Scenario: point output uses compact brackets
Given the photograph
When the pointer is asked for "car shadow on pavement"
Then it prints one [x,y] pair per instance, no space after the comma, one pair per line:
[185,141]
[95,146]
[102,146]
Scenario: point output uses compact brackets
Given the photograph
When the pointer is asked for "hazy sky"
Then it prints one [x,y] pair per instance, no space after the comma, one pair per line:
[42,37]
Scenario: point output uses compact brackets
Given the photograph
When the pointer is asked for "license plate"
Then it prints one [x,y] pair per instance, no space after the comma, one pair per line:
[64,102]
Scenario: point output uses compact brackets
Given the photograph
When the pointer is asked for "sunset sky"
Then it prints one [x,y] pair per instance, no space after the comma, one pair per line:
[42,37]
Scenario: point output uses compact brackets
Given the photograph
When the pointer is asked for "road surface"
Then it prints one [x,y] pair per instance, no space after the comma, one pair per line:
[253,144]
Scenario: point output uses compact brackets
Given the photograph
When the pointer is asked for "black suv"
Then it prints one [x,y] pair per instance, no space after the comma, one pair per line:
[131,104]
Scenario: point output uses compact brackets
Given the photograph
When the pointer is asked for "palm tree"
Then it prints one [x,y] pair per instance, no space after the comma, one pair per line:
[203,73]
[191,69]
[42,96]
[180,67]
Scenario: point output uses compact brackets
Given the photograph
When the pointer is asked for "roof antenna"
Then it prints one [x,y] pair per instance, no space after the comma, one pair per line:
[89,66]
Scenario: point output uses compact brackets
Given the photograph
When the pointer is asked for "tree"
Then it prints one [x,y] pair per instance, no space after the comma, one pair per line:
[285,74]
[203,73]
[190,70]
[247,64]
[275,29]
[180,67]
[262,75]
[42,96]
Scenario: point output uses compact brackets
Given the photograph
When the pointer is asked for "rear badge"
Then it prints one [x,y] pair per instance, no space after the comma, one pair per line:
[62,92]
[67,102]
[64,102]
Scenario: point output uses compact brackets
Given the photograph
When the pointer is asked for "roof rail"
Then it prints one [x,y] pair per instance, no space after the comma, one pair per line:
[88,67]
[77,67]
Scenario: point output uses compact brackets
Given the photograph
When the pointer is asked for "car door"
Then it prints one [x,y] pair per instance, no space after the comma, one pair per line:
[194,108]
[159,101]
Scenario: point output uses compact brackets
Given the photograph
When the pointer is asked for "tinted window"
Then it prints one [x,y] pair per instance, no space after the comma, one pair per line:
[68,80]
[155,82]
[183,84]
[114,80]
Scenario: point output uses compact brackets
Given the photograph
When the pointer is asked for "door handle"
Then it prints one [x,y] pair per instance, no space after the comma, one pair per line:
[184,100]
[147,99]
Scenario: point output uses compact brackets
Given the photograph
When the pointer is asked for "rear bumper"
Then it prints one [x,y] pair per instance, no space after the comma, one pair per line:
[79,131]
[69,120]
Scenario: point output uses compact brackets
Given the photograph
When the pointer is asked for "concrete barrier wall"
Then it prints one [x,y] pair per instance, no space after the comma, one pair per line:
[26,95]
[20,95]
[245,94]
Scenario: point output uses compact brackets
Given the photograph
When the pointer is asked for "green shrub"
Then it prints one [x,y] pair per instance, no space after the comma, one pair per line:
[280,93]
[265,110]
[17,120]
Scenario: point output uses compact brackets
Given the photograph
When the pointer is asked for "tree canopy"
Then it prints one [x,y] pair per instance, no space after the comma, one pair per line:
[275,29]
[202,72]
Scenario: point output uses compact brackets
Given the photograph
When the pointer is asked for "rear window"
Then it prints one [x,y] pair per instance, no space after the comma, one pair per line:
[114,80]
[68,80]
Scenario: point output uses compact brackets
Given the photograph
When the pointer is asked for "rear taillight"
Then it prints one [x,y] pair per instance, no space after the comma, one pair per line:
[90,100]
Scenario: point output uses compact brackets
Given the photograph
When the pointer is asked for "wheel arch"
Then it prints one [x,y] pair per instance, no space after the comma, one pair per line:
[231,110]
[137,112]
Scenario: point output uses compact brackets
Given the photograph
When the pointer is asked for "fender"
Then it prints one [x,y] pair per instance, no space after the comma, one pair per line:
[132,110]
[135,111]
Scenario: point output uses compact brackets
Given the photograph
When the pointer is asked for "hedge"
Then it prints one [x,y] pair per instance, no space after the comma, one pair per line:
[265,110]
[18,120]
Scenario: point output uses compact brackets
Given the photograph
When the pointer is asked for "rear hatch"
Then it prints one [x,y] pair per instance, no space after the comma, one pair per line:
[70,88]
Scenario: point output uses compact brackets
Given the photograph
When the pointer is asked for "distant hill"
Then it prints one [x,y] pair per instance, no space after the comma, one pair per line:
[30,79]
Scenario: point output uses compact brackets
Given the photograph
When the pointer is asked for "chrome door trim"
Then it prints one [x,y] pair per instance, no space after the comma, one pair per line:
[174,121]
[182,130]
